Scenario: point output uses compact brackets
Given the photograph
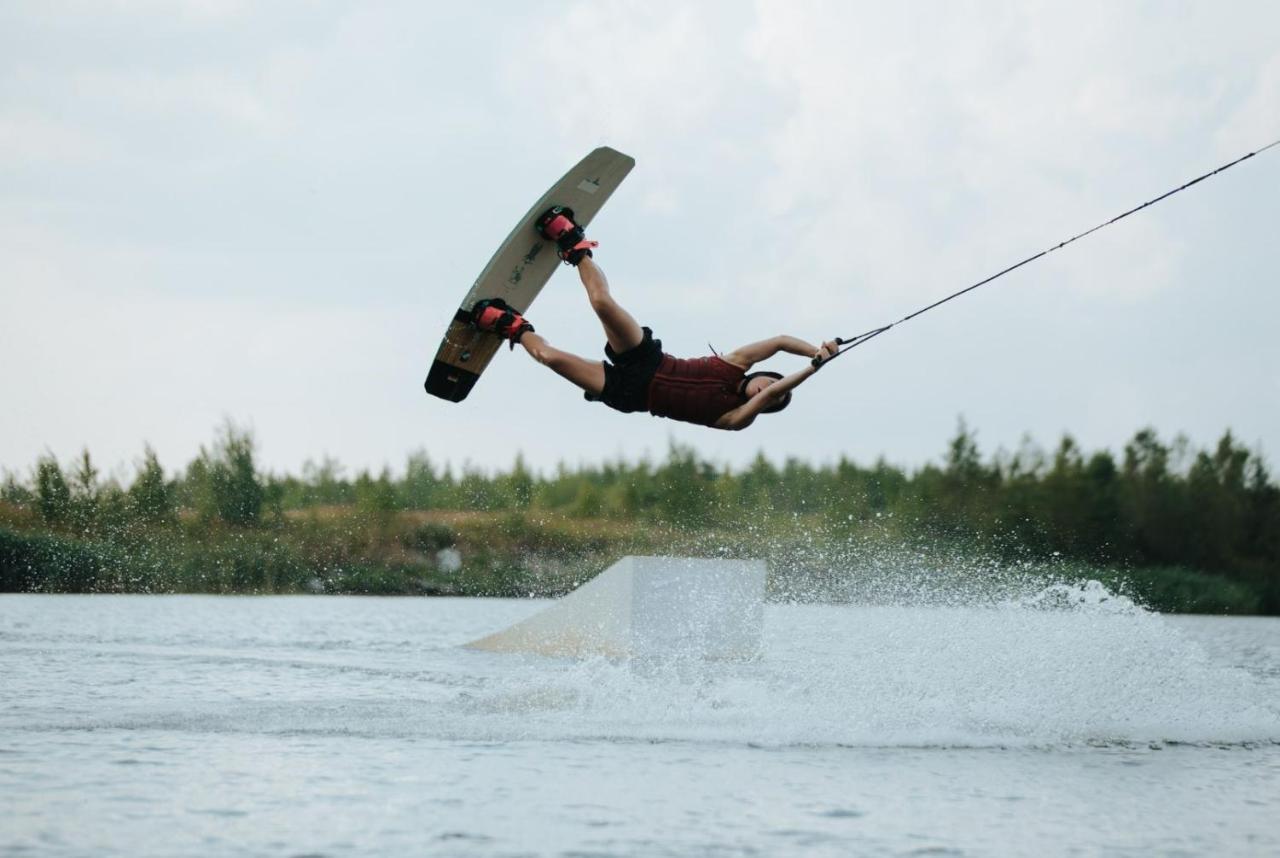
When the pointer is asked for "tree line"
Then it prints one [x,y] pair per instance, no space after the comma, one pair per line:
[1157,503]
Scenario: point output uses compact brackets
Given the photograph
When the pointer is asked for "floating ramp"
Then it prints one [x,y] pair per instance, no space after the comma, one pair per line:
[646,607]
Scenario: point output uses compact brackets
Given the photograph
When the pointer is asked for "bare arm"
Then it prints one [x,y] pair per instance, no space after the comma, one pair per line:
[753,353]
[744,415]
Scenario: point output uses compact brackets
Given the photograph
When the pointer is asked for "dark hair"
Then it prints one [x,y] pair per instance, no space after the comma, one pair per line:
[776,376]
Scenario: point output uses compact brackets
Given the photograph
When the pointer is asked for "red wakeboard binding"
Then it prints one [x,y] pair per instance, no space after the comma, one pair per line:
[556,224]
[497,316]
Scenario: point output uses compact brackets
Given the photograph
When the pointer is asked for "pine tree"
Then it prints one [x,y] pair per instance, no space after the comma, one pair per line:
[520,484]
[53,495]
[225,481]
[15,492]
[84,492]
[150,497]
[420,488]
[376,497]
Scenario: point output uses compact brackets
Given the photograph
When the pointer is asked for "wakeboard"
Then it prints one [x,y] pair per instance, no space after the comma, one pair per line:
[519,269]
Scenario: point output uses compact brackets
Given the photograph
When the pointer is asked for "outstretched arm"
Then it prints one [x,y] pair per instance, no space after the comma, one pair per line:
[753,353]
[744,415]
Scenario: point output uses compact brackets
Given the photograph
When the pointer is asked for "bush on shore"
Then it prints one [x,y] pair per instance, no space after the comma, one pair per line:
[1193,530]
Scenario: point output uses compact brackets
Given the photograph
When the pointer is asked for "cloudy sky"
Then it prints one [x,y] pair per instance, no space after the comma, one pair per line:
[269,212]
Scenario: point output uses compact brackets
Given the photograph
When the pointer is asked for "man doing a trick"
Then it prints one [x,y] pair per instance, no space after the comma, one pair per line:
[718,391]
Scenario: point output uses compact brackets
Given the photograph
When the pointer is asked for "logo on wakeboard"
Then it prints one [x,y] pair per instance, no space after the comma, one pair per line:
[517,273]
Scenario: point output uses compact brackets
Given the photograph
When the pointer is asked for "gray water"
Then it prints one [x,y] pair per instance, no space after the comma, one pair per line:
[186,725]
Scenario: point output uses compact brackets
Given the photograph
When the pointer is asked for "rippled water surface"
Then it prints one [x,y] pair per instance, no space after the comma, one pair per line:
[154,725]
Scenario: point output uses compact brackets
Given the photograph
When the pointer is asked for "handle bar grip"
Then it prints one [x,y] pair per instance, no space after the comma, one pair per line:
[817,362]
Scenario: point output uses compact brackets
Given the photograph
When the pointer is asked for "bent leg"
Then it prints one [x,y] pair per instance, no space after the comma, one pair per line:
[589,375]
[621,330]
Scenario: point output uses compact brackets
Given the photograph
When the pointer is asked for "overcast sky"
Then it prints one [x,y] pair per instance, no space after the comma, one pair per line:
[270,211]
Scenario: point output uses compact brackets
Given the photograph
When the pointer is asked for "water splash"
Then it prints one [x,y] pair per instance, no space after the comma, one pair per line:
[1049,665]
[1044,665]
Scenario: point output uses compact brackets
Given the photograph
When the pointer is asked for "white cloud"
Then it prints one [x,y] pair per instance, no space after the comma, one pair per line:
[200,11]
[269,211]
[1256,120]
[215,96]
[627,71]
[27,140]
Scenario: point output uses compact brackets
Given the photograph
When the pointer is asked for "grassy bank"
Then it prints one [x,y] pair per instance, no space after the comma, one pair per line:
[1178,528]
[324,550]
[518,554]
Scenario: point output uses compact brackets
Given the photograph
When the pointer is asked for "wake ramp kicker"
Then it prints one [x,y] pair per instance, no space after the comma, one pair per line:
[644,607]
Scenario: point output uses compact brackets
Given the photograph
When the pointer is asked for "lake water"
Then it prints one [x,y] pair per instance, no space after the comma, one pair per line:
[187,725]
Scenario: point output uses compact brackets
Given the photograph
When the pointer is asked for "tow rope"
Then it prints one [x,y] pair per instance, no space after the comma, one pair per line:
[847,343]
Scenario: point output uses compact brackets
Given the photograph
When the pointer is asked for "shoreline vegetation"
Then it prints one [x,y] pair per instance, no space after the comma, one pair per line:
[1175,528]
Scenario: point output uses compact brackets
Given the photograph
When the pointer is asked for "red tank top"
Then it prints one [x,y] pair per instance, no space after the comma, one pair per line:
[697,390]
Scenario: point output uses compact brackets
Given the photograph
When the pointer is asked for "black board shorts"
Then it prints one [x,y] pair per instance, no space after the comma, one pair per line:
[627,375]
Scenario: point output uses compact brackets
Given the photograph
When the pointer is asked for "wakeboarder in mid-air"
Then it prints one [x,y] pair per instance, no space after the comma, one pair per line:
[719,391]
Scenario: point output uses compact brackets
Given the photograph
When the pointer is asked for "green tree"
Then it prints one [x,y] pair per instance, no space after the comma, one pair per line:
[227,485]
[685,487]
[53,495]
[325,484]
[84,491]
[15,492]
[477,490]
[587,503]
[420,488]
[376,497]
[1262,534]
[150,497]
[114,511]
[956,500]
[520,484]
[1153,501]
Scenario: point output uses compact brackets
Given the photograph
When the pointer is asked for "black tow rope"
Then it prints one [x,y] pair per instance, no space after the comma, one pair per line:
[847,343]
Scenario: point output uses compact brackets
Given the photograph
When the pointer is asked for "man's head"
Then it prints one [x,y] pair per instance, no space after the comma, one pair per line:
[754,382]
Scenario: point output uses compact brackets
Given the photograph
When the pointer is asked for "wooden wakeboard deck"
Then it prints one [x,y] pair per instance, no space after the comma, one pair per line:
[519,269]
